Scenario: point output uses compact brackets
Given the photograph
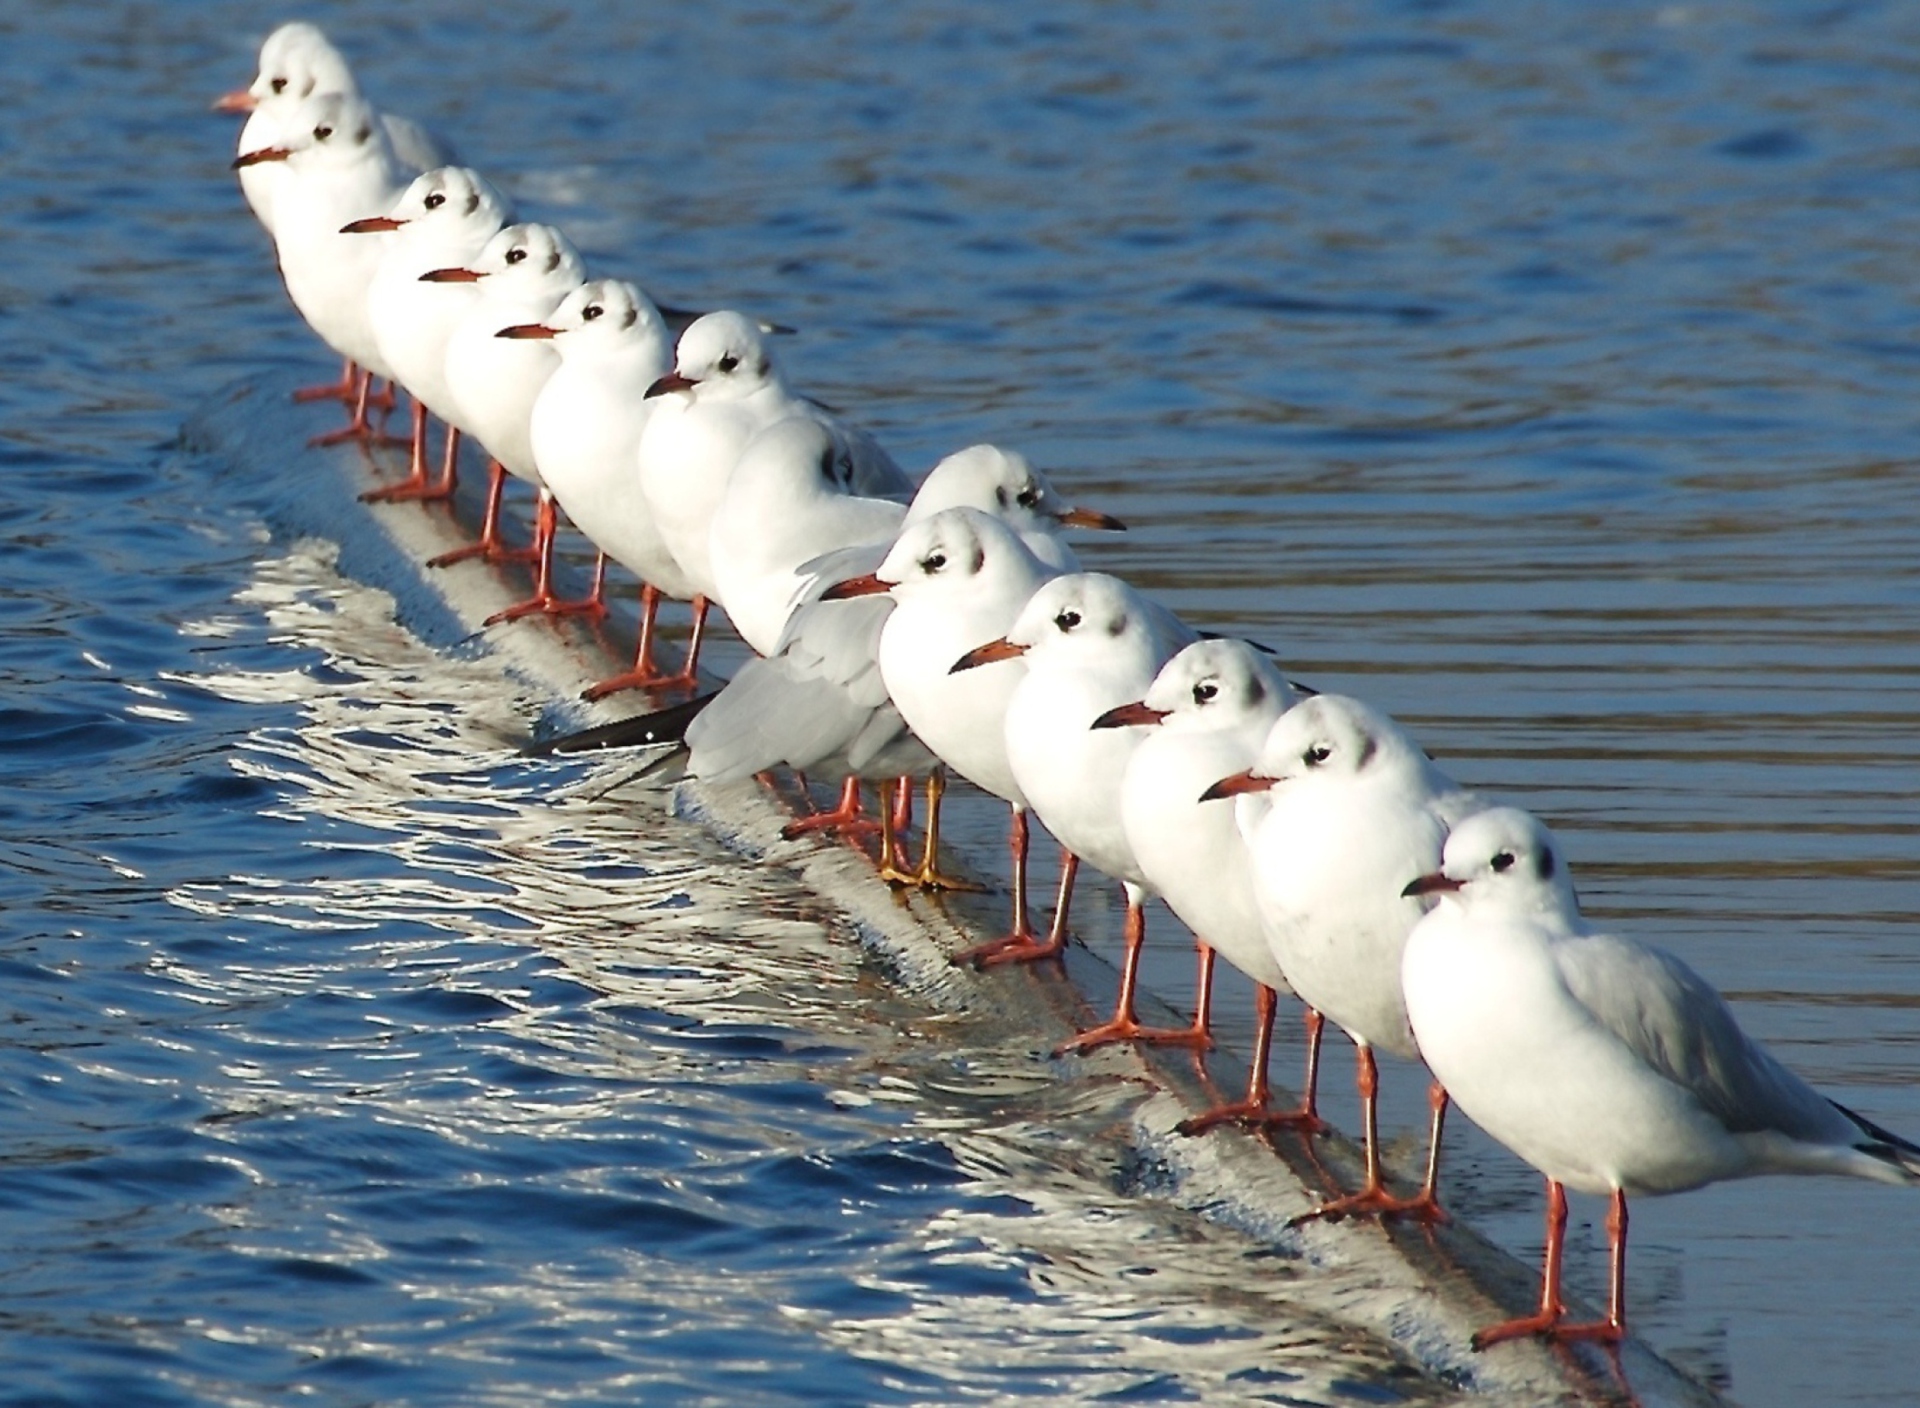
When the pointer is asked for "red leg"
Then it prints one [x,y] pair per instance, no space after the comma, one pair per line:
[1550,1320]
[645,674]
[544,602]
[358,427]
[847,817]
[1021,944]
[417,485]
[1125,1025]
[343,390]
[903,804]
[1255,1110]
[1373,1197]
[491,546]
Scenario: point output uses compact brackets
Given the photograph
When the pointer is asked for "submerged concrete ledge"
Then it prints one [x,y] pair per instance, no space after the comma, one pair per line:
[1420,1292]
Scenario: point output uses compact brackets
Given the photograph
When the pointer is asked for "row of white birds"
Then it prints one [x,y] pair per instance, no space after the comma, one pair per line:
[906,633]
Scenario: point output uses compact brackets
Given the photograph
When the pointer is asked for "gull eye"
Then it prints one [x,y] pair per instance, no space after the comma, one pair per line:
[933,562]
[279,85]
[591,311]
[1028,496]
[1205,691]
[1316,755]
[435,201]
[1503,861]
[727,363]
[1067,620]
[320,134]
[516,255]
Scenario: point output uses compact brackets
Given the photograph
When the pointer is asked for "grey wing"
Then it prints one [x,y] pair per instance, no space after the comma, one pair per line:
[814,700]
[1676,1022]
[416,146]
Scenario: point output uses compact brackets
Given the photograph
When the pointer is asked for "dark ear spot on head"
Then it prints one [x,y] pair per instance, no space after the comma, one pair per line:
[1546,865]
[979,557]
[1117,626]
[473,202]
[1367,750]
[363,134]
[553,261]
[633,316]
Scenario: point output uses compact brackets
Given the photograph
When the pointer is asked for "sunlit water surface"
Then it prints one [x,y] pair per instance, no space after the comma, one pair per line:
[1541,373]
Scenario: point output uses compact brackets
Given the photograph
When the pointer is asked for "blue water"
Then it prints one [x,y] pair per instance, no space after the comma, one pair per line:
[1543,373]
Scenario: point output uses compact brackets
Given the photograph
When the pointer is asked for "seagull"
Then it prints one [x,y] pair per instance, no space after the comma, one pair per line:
[613,344]
[340,168]
[789,499]
[957,578]
[1090,643]
[443,219]
[817,702]
[297,61]
[1606,1063]
[522,273]
[1355,810]
[725,389]
[1205,715]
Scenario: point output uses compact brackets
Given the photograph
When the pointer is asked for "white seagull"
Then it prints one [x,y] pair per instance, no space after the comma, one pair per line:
[1355,810]
[523,273]
[1607,1064]
[1090,643]
[789,500]
[340,168]
[724,390]
[613,344]
[817,702]
[444,219]
[956,579]
[1204,717]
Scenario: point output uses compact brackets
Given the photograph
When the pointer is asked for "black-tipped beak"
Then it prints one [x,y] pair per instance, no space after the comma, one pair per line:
[528,330]
[451,276]
[672,381]
[1002,649]
[1092,518]
[263,154]
[372,225]
[1237,785]
[868,585]
[1126,714]
[1434,884]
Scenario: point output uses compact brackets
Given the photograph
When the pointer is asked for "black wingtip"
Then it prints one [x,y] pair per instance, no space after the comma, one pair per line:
[648,730]
[1877,1134]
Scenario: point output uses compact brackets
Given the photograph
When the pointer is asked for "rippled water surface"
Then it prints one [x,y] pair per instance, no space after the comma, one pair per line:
[1544,373]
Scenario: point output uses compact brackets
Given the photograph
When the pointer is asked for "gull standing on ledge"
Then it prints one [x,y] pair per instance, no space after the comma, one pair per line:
[1355,811]
[1607,1064]
[1206,714]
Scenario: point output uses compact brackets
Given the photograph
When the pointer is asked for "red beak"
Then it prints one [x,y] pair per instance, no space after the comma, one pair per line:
[239,100]
[1435,884]
[254,158]
[1002,649]
[1092,518]
[372,225]
[672,381]
[1240,782]
[868,585]
[1126,714]
[528,330]
[451,276]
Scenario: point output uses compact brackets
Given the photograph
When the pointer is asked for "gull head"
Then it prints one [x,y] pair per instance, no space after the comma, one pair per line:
[1502,858]
[1218,684]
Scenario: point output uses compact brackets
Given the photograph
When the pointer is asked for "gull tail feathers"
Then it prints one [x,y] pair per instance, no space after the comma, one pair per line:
[648,730]
[1885,1145]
